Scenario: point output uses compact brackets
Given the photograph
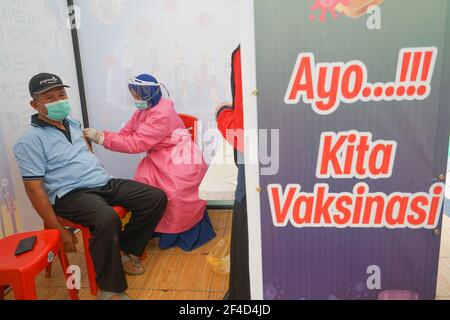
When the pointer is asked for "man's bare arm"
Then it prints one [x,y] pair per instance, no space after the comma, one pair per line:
[41,204]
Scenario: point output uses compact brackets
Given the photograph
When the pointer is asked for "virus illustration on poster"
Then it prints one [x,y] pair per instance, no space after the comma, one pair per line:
[107,11]
[170,6]
[206,21]
[143,28]
[272,291]
[358,290]
[110,61]
[325,6]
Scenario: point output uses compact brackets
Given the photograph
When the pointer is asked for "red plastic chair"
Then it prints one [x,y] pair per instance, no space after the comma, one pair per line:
[190,122]
[86,235]
[20,272]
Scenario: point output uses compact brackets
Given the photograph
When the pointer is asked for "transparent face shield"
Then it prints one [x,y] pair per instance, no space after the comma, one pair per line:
[137,82]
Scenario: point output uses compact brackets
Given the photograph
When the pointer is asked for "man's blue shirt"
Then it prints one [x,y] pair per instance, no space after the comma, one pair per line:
[60,158]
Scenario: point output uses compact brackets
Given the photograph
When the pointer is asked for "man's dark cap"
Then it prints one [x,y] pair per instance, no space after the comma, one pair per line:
[43,82]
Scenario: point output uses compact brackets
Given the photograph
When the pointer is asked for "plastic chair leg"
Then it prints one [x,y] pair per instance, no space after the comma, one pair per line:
[48,270]
[89,263]
[2,292]
[73,293]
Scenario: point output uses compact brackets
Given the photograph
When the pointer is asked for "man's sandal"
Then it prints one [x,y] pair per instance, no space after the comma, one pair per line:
[107,295]
[131,271]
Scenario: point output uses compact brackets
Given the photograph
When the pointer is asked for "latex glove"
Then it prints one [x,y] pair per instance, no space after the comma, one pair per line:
[94,135]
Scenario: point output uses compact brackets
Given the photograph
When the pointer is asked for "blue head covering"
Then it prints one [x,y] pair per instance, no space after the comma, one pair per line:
[147,88]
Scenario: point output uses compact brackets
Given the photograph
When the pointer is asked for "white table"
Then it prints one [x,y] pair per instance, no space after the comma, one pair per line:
[447,186]
[220,181]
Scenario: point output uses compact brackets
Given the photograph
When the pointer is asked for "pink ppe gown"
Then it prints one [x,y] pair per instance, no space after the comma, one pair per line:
[173,162]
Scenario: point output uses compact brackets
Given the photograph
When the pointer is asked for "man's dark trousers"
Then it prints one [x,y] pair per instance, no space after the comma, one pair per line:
[92,208]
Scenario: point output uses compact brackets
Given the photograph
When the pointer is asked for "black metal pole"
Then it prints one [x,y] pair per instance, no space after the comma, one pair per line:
[79,68]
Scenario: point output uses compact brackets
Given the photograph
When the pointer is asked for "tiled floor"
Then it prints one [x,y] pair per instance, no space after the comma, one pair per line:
[174,274]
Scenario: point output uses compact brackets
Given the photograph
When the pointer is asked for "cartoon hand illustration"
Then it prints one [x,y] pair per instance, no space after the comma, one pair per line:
[356,8]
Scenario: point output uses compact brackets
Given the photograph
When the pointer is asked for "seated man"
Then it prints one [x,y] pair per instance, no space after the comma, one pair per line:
[62,177]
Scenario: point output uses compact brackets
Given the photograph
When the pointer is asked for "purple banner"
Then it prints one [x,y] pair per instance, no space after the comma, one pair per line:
[362,104]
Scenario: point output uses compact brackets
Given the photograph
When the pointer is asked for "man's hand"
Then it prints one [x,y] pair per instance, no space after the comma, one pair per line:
[94,135]
[69,240]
